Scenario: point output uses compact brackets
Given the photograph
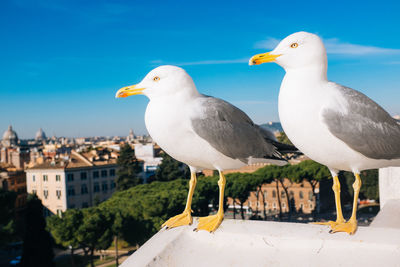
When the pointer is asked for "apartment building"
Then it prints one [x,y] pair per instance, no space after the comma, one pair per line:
[77,181]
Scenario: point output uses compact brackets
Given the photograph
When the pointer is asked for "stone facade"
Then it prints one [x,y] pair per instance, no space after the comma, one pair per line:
[12,179]
[74,183]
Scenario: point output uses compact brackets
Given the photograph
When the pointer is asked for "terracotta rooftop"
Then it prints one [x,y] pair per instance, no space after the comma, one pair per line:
[76,160]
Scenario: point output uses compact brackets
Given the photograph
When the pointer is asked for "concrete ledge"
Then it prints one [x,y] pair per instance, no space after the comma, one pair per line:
[259,243]
[389,184]
[389,216]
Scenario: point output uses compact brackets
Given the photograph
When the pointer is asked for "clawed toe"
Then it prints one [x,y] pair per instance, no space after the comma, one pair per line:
[184,218]
[210,223]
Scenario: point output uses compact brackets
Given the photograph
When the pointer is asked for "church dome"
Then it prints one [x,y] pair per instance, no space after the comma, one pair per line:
[40,135]
[10,137]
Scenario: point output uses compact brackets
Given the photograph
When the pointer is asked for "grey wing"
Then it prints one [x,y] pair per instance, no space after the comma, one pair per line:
[366,127]
[230,131]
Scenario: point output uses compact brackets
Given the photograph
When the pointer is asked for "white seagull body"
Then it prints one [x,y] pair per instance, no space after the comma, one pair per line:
[178,116]
[177,137]
[303,113]
[202,131]
[332,124]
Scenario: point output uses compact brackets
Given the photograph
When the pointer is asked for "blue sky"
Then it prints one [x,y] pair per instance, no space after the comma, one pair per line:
[62,60]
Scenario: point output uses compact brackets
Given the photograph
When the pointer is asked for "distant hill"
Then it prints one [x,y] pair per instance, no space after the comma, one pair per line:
[273,126]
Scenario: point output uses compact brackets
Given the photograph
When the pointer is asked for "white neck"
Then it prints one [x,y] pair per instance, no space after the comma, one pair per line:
[308,74]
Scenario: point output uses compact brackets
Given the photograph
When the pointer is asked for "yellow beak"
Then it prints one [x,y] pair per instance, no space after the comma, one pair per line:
[262,58]
[128,91]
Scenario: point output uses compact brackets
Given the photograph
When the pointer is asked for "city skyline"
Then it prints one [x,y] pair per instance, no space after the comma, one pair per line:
[63,61]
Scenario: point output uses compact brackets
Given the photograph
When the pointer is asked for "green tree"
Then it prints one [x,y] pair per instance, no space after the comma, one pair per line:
[95,231]
[310,171]
[370,184]
[238,187]
[38,244]
[129,169]
[64,229]
[7,218]
[117,226]
[171,169]
[146,207]
[206,193]
[276,173]
[259,181]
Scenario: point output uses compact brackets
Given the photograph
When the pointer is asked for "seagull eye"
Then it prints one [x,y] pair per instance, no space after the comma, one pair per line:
[294,45]
[156,79]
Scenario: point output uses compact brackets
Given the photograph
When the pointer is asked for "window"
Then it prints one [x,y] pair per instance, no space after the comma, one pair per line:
[45,193]
[59,213]
[96,174]
[301,195]
[273,194]
[84,189]
[112,172]
[104,173]
[283,205]
[71,191]
[96,187]
[265,194]
[311,206]
[33,178]
[83,175]
[58,178]
[282,194]
[34,191]
[112,185]
[274,205]
[104,187]
[70,177]
[291,194]
[58,194]
[45,178]
[310,195]
[85,205]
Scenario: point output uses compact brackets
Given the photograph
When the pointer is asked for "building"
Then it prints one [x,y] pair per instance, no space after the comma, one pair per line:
[148,154]
[12,179]
[10,138]
[79,180]
[245,169]
[131,137]
[271,198]
[12,151]
[40,135]
[303,198]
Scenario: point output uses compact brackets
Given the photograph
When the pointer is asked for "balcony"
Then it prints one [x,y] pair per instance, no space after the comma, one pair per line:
[256,243]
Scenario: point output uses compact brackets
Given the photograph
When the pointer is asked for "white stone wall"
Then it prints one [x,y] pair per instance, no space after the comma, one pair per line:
[52,202]
[389,184]
[76,201]
[79,199]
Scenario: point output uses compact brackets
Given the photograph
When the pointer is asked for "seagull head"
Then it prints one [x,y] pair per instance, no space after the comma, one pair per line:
[162,81]
[298,50]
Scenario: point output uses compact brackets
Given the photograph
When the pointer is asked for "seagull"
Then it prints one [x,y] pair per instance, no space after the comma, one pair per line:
[332,124]
[203,132]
